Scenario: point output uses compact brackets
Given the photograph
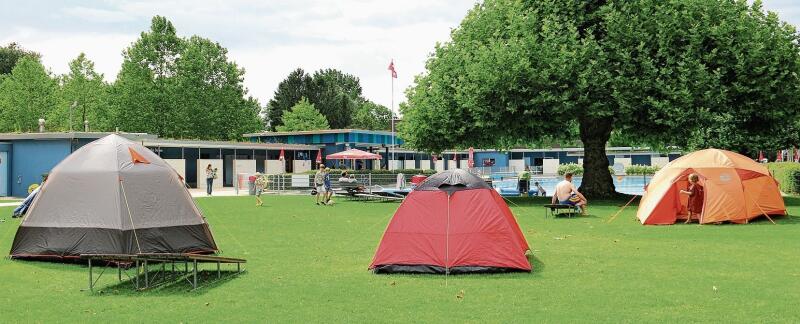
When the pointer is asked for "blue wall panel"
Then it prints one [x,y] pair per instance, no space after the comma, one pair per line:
[500,159]
[640,159]
[31,159]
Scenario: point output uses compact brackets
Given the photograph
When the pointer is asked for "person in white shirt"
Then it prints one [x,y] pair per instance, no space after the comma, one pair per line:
[567,194]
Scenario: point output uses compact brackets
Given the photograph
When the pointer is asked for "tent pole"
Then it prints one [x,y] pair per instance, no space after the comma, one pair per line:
[621,209]
[447,244]
[762,211]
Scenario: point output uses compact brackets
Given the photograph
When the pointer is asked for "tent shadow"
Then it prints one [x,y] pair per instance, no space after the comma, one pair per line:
[172,286]
[537,265]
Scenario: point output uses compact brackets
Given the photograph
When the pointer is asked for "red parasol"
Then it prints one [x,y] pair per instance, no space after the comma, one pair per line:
[319,156]
[353,154]
[471,160]
[281,156]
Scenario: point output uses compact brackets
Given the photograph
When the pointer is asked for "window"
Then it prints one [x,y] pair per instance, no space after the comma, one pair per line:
[517,155]
[488,162]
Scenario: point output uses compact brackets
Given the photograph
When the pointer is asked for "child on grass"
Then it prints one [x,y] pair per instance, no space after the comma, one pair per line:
[695,192]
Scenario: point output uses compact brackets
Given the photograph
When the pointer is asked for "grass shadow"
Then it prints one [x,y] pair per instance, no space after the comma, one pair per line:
[167,283]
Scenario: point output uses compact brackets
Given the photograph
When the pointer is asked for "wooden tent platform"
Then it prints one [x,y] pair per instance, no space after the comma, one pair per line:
[144,261]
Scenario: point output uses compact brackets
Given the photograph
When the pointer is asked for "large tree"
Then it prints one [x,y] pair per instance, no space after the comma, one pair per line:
[674,72]
[83,97]
[302,117]
[369,115]
[296,86]
[335,94]
[10,54]
[182,88]
[28,94]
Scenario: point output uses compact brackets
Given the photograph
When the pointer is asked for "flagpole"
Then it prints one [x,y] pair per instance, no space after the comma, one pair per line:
[391,159]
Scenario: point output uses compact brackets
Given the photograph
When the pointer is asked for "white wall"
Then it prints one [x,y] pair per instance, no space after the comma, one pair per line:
[580,161]
[409,164]
[274,167]
[301,166]
[376,164]
[179,165]
[439,166]
[248,167]
[550,166]
[451,165]
[659,160]
[395,164]
[517,165]
[465,164]
[425,164]
[201,172]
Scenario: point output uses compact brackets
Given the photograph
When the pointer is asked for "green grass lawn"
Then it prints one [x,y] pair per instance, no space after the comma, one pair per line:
[309,263]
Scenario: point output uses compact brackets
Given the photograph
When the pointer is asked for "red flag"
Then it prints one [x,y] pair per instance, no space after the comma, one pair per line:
[780,157]
[391,68]
[319,156]
[281,157]
[471,160]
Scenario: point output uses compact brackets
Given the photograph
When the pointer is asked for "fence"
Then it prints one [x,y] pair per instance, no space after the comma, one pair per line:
[286,183]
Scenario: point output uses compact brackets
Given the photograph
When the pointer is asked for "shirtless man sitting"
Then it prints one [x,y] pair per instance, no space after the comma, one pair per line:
[567,194]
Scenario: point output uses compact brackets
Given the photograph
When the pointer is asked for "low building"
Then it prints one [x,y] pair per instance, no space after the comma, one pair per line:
[26,157]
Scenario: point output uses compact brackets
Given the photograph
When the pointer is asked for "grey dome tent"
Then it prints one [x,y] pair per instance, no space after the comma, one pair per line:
[112,196]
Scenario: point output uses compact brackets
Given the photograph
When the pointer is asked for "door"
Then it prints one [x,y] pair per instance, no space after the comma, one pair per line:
[4,173]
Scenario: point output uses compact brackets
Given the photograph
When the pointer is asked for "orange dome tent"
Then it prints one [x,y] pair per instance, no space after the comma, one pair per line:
[737,189]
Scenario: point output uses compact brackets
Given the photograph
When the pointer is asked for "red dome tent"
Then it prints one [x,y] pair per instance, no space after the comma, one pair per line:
[452,223]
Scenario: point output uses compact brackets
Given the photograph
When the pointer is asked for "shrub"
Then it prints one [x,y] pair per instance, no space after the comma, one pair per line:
[636,169]
[788,176]
[576,169]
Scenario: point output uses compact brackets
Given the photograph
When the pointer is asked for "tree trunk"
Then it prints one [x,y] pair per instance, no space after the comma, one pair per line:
[597,181]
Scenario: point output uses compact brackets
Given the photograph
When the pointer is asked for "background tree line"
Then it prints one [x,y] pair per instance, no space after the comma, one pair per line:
[168,85]
[335,95]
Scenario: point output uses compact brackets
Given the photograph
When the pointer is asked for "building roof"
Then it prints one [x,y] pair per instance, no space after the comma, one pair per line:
[224,144]
[71,135]
[321,131]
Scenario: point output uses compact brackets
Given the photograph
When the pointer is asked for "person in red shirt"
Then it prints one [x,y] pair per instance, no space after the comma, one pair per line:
[695,192]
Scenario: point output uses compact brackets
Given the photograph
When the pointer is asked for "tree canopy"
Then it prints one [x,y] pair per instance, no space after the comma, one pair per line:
[369,115]
[26,95]
[336,95]
[83,96]
[303,116]
[674,72]
[182,88]
[10,54]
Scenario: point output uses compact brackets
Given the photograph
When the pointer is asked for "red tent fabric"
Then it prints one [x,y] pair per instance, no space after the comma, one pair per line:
[452,223]
[353,154]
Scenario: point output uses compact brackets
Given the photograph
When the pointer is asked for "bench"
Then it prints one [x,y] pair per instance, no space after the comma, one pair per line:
[556,210]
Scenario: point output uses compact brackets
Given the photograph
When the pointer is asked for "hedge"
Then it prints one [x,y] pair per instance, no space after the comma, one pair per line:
[576,169]
[637,169]
[788,176]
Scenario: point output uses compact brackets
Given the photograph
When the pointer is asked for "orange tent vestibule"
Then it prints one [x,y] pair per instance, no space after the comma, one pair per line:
[737,189]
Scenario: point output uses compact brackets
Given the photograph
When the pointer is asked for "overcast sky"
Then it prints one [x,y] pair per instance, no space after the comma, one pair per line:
[268,38]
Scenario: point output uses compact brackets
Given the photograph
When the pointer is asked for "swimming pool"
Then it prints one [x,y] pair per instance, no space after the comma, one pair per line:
[632,185]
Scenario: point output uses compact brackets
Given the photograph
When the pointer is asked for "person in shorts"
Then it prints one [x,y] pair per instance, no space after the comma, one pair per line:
[567,194]
[260,184]
[319,184]
[326,181]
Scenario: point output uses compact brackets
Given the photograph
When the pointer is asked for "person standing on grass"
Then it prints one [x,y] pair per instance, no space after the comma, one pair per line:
[696,195]
[327,183]
[524,181]
[209,179]
[319,184]
[567,194]
[260,185]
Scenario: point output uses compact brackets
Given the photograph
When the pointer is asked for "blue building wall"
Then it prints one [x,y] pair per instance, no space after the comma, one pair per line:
[5,169]
[500,159]
[32,158]
[641,159]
